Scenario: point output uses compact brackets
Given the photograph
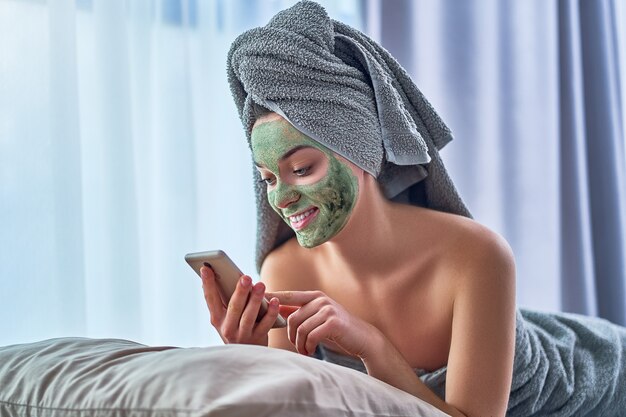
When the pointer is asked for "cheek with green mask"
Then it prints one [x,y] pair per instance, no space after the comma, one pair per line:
[334,195]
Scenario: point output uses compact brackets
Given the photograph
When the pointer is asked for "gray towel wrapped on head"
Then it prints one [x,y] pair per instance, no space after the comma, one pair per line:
[345,91]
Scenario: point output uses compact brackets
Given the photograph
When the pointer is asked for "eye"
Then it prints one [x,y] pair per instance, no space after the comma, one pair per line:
[268,181]
[302,172]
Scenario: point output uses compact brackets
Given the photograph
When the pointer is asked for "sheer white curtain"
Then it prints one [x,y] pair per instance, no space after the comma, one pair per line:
[120,151]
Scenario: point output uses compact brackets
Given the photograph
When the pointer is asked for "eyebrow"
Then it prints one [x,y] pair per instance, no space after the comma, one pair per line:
[286,154]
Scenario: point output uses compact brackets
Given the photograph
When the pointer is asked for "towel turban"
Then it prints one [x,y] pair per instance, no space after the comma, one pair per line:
[345,91]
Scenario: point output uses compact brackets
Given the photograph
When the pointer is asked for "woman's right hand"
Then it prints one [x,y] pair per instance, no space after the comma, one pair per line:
[236,323]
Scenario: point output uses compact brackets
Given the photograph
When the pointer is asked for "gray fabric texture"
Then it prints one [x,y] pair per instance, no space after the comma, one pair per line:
[80,377]
[568,365]
[345,91]
[565,365]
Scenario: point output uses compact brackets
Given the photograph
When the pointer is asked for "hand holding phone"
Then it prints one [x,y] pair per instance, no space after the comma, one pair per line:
[239,310]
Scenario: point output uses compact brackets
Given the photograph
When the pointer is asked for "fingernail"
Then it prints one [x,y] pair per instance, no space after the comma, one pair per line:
[246,281]
[259,288]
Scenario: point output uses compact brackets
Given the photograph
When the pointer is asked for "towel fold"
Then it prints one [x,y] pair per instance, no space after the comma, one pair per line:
[568,365]
[345,91]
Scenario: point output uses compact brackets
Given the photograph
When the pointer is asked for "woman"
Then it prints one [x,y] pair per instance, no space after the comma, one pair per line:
[342,140]
[389,291]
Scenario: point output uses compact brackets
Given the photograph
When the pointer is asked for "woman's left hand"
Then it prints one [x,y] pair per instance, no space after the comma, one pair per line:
[320,318]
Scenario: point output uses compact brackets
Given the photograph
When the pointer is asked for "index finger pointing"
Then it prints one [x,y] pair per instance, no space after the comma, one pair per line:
[286,311]
[294,298]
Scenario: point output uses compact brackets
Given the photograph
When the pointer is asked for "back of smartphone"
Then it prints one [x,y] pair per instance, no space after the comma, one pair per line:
[226,272]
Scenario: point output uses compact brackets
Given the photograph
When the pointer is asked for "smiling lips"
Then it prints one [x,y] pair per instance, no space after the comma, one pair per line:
[301,220]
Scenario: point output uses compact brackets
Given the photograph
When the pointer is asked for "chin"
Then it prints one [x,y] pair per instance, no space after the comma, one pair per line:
[312,242]
[309,243]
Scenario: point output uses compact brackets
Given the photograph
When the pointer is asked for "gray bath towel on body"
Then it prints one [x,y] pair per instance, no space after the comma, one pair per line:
[565,365]
[342,89]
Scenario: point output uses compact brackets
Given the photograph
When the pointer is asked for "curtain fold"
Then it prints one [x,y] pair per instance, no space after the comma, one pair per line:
[66,263]
[111,257]
[577,254]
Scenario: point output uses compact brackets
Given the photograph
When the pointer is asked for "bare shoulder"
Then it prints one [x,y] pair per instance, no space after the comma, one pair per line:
[481,253]
[477,235]
[469,248]
[288,267]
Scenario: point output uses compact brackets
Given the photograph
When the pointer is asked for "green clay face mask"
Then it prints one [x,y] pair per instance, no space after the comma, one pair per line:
[310,189]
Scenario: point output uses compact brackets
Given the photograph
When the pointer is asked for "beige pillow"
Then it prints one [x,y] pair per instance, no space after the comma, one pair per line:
[110,377]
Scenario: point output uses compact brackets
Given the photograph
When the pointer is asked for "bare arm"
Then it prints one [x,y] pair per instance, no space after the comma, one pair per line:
[388,365]
[480,364]
[480,361]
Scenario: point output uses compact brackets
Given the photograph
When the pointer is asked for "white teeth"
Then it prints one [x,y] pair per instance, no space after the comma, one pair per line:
[300,217]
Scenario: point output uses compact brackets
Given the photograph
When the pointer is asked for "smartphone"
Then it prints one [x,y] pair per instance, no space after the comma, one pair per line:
[226,275]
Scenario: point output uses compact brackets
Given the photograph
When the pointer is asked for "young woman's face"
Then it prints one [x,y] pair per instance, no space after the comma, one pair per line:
[307,185]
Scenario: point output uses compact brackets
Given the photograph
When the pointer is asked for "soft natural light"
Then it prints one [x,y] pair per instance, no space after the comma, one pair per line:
[120,151]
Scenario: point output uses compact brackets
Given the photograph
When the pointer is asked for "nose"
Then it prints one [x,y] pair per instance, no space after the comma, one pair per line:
[285,195]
